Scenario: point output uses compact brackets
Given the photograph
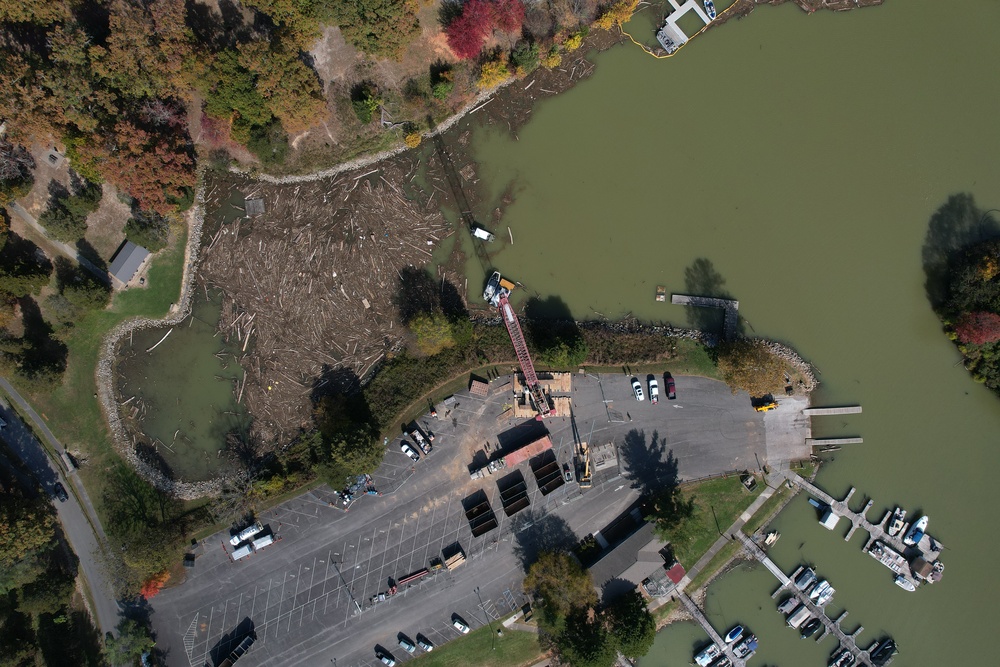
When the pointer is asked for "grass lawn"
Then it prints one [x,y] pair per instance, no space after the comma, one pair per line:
[515,649]
[718,503]
[71,410]
[718,562]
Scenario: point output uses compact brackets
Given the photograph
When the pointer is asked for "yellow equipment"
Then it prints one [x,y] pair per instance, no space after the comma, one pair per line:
[586,479]
[765,407]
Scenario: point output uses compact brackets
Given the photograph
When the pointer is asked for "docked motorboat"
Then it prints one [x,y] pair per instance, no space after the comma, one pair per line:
[746,647]
[810,628]
[710,9]
[896,523]
[805,579]
[819,589]
[916,531]
[789,605]
[841,658]
[825,596]
[705,657]
[904,583]
[734,634]
[881,654]
[771,538]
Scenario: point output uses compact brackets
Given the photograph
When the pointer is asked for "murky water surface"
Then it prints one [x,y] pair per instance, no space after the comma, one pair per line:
[802,156]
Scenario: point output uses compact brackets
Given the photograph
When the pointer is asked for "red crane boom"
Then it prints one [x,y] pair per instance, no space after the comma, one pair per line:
[523,356]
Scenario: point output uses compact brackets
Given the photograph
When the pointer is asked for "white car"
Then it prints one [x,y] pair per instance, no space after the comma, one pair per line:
[637,389]
[409,451]
[425,643]
[460,625]
[654,392]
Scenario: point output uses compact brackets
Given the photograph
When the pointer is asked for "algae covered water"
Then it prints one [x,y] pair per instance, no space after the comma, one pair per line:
[793,162]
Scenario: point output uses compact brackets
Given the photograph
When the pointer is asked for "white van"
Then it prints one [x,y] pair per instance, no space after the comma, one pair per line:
[242,552]
[246,534]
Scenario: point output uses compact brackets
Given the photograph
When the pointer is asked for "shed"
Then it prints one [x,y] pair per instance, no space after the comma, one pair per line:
[829,520]
[126,261]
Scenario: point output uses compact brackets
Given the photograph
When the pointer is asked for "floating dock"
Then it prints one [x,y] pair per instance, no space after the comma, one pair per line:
[825,442]
[822,412]
[831,626]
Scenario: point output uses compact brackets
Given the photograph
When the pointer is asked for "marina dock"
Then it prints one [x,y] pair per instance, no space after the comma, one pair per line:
[695,611]
[730,307]
[825,442]
[830,626]
[670,36]
[823,412]
[928,549]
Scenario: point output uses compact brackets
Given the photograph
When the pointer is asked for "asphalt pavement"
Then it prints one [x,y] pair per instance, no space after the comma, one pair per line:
[79,521]
[308,598]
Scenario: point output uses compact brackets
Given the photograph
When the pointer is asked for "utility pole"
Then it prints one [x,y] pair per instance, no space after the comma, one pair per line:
[488,622]
[344,582]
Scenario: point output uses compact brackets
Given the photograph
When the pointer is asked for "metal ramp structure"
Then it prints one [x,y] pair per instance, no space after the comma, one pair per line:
[524,357]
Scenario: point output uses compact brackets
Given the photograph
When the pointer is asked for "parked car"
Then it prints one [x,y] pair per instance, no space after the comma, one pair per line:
[60,492]
[671,389]
[654,391]
[407,645]
[637,389]
[424,643]
[386,659]
[459,624]
[409,451]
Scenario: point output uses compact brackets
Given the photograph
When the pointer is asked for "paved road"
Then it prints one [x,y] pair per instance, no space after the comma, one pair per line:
[79,520]
[298,595]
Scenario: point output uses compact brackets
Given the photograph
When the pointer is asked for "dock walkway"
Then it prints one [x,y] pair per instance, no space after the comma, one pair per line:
[930,548]
[831,626]
[821,412]
[729,306]
[699,616]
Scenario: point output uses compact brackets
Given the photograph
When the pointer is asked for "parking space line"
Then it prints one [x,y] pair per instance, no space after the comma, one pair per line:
[409,566]
[267,602]
[208,636]
[312,577]
[298,577]
[281,599]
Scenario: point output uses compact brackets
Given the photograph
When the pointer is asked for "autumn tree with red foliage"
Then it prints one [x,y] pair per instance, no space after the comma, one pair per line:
[469,31]
[154,584]
[978,328]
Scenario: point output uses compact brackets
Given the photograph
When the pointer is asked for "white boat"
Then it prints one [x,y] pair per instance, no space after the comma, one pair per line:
[896,523]
[771,538]
[916,531]
[707,656]
[710,9]
[825,596]
[734,634]
[905,583]
[819,589]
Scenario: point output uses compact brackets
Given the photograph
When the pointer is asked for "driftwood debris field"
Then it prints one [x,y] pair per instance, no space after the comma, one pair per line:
[309,285]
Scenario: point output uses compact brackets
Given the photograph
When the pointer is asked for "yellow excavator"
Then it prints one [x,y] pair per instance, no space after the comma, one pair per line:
[586,479]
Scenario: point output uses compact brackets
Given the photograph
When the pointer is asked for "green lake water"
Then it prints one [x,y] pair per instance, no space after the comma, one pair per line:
[187,390]
[802,156]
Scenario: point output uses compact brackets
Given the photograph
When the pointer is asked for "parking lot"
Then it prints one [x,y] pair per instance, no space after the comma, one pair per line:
[308,596]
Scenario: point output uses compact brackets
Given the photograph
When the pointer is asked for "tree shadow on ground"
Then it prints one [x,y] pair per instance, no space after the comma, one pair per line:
[650,467]
[218,30]
[333,381]
[535,533]
[418,294]
[958,223]
[612,589]
[44,357]
[553,332]
[89,252]
[702,279]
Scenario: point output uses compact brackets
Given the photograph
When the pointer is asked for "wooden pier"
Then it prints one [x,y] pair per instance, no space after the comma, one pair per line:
[830,626]
[694,610]
[729,306]
[822,412]
[822,442]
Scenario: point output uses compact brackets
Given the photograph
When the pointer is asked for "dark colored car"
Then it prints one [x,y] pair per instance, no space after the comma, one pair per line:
[60,492]
[671,389]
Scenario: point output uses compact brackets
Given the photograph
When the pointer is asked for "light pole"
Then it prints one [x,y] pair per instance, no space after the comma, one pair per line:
[344,582]
[493,646]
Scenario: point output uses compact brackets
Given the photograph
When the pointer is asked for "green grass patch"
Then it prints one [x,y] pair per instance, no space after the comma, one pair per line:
[663,611]
[718,503]
[718,561]
[71,411]
[515,649]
